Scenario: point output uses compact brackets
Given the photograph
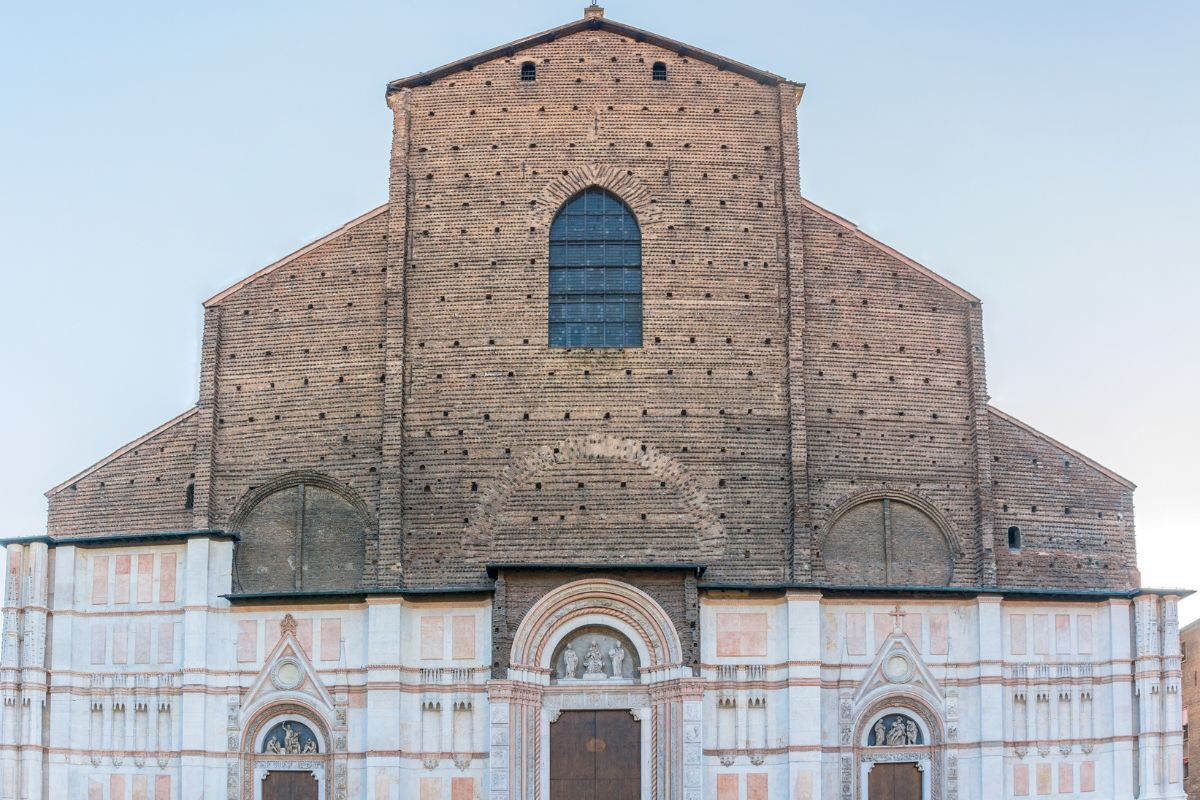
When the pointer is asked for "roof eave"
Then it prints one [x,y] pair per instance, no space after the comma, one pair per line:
[591,23]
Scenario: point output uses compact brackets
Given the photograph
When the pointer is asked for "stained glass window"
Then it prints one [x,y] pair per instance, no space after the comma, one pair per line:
[595,273]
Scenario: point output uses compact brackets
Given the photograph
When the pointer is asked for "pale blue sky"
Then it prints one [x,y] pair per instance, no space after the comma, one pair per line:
[1041,154]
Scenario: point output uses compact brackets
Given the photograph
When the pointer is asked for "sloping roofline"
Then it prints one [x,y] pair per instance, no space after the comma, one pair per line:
[113,456]
[308,248]
[1034,432]
[891,251]
[592,22]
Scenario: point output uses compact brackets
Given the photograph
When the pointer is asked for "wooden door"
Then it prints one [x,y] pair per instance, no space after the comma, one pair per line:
[894,782]
[595,755]
[284,785]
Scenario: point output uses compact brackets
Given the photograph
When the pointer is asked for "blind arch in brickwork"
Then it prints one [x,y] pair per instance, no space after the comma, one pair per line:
[300,532]
[505,530]
[887,537]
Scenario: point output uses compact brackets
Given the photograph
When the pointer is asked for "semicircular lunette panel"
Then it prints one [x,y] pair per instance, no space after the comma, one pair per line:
[886,542]
[595,510]
[303,537]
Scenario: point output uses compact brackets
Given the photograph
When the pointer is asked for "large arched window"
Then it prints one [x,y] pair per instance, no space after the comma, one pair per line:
[595,273]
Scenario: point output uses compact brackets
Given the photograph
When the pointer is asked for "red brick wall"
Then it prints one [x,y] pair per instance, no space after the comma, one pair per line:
[1076,522]
[405,357]
[139,491]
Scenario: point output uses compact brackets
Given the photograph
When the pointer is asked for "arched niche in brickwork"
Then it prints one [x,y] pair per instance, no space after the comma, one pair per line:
[579,498]
[885,537]
[596,603]
[301,531]
[621,182]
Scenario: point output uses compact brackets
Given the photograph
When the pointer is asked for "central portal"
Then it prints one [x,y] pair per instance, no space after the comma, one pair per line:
[894,782]
[595,755]
[286,785]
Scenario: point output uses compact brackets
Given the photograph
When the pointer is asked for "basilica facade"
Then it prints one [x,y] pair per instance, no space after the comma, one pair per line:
[598,462]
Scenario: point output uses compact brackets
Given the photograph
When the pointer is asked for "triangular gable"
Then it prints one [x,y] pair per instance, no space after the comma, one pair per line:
[268,687]
[898,665]
[592,21]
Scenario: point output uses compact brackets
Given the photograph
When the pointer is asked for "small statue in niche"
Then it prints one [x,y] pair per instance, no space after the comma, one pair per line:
[617,655]
[910,732]
[593,663]
[273,747]
[310,747]
[880,734]
[570,662]
[896,734]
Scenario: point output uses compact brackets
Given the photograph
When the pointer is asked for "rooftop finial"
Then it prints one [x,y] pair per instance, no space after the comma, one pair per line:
[594,11]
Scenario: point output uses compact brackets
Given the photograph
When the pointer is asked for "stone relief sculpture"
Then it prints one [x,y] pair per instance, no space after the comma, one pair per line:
[593,663]
[894,730]
[291,744]
[617,656]
[570,663]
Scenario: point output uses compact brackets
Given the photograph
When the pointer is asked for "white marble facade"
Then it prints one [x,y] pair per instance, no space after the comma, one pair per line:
[128,676]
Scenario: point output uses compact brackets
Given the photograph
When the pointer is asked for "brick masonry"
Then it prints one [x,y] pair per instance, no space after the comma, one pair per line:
[791,364]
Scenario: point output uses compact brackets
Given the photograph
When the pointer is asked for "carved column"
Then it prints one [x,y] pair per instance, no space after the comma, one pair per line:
[34,677]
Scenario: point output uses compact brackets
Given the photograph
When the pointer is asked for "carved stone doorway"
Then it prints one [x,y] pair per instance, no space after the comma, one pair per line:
[289,785]
[900,781]
[595,755]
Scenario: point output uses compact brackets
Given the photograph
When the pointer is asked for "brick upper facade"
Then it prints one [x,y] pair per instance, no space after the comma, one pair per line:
[791,365]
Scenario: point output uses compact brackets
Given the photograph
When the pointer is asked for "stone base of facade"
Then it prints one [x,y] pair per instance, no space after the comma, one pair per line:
[127,675]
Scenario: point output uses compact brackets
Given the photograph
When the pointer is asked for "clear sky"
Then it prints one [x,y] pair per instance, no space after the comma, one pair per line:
[1041,154]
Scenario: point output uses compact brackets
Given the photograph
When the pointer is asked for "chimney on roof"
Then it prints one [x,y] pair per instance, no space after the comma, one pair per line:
[594,11]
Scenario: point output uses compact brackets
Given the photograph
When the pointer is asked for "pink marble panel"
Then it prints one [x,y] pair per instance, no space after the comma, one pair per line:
[741,634]
[804,786]
[270,635]
[247,641]
[116,787]
[95,789]
[433,633]
[431,789]
[912,628]
[121,590]
[1020,780]
[882,623]
[162,787]
[99,580]
[856,634]
[120,654]
[304,634]
[1087,776]
[1066,778]
[462,637]
[141,787]
[756,786]
[1083,632]
[99,642]
[145,578]
[727,787]
[939,634]
[462,789]
[141,643]
[166,642]
[1041,634]
[1062,634]
[331,639]
[166,578]
[1018,634]
[383,785]
[1043,779]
